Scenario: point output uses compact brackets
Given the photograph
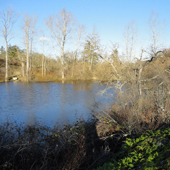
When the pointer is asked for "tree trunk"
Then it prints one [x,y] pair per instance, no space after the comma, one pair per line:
[23,71]
[62,57]
[62,69]
[27,41]
[43,64]
[6,63]
[139,81]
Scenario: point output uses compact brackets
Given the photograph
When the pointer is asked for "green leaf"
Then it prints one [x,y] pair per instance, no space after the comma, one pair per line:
[131,165]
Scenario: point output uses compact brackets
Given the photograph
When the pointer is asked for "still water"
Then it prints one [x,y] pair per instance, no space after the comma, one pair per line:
[48,103]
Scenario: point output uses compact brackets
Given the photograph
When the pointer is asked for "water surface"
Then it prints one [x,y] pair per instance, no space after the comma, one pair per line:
[48,103]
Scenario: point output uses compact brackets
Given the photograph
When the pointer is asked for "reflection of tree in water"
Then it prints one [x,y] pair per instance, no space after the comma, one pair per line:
[73,98]
[87,93]
[28,95]
[63,101]
[49,102]
[22,94]
[31,97]
[82,86]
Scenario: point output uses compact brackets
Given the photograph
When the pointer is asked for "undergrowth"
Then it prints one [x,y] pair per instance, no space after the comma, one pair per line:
[39,147]
[150,151]
[35,147]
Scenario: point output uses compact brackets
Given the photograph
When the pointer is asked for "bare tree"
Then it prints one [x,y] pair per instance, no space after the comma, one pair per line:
[33,33]
[155,28]
[80,31]
[61,27]
[26,28]
[8,18]
[130,40]
[29,23]
[43,41]
[43,58]
[110,61]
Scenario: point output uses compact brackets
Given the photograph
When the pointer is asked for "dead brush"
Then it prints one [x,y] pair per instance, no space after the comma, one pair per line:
[34,147]
[141,113]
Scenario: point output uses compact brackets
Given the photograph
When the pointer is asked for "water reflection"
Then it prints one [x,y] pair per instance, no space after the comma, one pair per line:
[47,103]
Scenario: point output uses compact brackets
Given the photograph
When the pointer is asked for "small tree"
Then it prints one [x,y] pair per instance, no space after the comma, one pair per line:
[13,51]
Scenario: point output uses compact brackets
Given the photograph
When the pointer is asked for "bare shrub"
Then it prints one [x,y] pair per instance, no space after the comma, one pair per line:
[37,147]
[137,113]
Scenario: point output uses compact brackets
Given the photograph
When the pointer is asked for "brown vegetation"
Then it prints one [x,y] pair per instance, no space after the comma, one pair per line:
[144,102]
[35,147]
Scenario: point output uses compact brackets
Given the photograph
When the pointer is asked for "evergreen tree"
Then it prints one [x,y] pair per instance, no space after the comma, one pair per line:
[90,52]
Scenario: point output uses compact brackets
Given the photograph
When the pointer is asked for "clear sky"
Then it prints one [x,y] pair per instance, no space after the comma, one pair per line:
[110,17]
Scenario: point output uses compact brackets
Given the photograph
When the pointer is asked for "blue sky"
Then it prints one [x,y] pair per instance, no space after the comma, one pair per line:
[110,17]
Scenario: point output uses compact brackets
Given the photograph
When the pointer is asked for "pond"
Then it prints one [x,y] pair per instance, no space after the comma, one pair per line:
[49,103]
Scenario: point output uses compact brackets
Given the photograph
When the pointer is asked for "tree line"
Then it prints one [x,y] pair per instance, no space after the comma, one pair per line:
[89,59]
